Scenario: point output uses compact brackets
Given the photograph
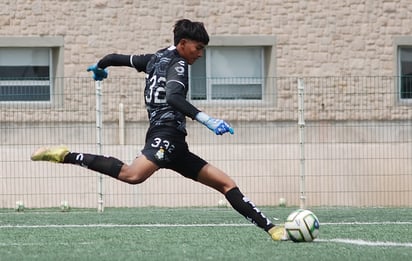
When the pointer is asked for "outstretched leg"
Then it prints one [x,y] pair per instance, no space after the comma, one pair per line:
[136,173]
[217,179]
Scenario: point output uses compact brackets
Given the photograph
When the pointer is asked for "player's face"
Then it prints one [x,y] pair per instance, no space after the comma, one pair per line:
[191,50]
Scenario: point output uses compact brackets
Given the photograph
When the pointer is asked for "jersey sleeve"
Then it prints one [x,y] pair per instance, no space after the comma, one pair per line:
[176,89]
[138,62]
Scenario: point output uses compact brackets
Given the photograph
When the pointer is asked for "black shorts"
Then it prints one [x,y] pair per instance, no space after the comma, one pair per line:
[167,148]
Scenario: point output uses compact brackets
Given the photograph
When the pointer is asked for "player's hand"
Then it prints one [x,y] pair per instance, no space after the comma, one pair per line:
[98,73]
[218,126]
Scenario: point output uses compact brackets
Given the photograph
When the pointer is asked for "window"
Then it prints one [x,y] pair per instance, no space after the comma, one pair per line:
[231,73]
[25,74]
[233,68]
[29,67]
[405,72]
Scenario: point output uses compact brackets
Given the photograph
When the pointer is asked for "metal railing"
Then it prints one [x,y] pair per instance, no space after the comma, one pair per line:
[334,141]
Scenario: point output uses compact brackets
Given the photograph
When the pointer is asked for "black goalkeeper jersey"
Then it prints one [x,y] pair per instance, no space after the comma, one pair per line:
[166,85]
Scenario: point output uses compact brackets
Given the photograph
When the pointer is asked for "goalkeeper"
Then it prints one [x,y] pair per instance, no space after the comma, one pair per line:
[167,107]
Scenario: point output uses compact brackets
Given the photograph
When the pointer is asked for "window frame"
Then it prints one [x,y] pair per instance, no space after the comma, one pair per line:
[268,44]
[210,81]
[399,43]
[55,45]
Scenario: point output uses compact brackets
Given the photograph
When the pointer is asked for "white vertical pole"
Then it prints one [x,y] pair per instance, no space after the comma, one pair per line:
[301,124]
[99,126]
[121,124]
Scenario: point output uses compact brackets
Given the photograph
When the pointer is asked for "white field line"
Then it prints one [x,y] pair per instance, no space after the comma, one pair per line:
[44,244]
[335,240]
[360,242]
[108,225]
[368,223]
[123,225]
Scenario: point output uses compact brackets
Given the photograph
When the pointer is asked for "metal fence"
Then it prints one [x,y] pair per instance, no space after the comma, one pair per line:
[335,141]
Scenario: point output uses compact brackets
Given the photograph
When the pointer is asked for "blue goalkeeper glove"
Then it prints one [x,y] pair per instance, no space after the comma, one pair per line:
[98,73]
[218,126]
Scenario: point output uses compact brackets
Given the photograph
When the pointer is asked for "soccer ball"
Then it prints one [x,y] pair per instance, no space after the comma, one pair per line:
[64,206]
[302,226]
[19,206]
[282,202]
[222,203]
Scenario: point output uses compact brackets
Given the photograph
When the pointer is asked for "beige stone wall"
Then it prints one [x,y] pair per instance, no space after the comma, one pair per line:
[313,38]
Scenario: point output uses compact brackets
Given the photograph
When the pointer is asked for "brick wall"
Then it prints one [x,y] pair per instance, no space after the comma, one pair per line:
[313,38]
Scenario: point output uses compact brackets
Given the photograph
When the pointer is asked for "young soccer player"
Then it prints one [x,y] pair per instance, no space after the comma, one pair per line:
[165,147]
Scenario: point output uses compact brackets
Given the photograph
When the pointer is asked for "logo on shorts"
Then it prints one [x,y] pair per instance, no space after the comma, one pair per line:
[160,154]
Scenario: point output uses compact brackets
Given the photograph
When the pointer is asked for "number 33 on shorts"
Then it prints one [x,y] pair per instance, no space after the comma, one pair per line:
[163,145]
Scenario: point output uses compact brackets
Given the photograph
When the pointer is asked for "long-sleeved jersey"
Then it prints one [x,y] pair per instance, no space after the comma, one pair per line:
[166,85]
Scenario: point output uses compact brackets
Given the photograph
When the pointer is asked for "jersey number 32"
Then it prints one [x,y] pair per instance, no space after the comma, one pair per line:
[156,92]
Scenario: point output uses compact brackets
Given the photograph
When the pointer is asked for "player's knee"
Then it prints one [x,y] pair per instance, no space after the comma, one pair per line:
[134,180]
[228,187]
[130,177]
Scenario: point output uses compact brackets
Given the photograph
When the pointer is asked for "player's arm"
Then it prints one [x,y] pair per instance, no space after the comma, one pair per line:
[176,97]
[100,70]
[136,61]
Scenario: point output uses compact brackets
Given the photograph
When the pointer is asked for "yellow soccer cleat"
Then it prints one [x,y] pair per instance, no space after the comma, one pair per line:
[278,233]
[55,154]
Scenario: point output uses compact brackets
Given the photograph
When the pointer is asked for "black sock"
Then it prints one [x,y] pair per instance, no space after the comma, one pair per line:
[106,165]
[246,207]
